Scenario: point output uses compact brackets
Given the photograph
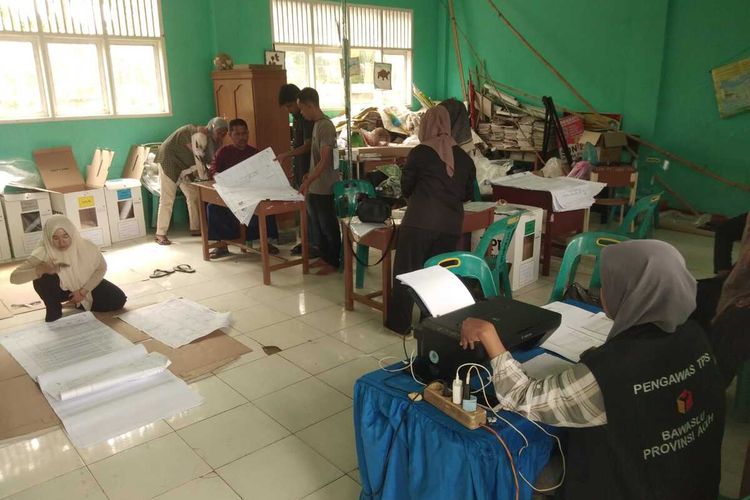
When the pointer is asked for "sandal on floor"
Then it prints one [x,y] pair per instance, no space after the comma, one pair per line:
[272,249]
[160,273]
[184,268]
[162,240]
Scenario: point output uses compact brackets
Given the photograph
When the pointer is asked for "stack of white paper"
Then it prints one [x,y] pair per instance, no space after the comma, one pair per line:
[567,193]
[251,181]
[96,381]
[440,290]
[177,322]
[579,331]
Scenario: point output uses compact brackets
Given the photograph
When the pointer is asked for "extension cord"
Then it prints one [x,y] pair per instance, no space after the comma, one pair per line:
[433,394]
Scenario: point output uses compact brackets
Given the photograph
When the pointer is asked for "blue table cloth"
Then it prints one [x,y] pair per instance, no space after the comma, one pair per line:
[432,456]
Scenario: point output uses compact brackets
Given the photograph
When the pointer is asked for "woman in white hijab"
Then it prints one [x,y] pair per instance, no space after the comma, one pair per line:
[623,401]
[66,268]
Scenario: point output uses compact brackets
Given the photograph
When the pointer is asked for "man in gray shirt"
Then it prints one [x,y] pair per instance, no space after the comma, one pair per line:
[317,185]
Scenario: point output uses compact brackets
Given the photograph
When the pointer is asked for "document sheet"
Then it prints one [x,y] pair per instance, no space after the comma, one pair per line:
[567,193]
[177,322]
[440,290]
[251,181]
[96,381]
[579,331]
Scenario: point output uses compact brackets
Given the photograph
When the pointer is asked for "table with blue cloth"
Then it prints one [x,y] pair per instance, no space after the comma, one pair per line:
[433,456]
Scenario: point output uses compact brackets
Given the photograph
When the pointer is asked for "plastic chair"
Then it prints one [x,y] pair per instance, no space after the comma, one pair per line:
[646,207]
[467,265]
[583,244]
[504,228]
[345,194]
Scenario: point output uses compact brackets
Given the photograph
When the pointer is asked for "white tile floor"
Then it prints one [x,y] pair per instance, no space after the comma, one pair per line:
[271,427]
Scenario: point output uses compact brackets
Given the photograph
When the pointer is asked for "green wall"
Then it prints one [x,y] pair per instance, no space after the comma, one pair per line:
[646,59]
[189,48]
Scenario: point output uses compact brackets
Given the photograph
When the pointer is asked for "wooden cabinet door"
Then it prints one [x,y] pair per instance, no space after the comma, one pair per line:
[224,98]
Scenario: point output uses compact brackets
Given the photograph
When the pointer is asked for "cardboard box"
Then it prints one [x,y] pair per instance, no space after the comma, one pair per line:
[608,144]
[84,205]
[524,250]
[25,215]
[5,253]
[125,209]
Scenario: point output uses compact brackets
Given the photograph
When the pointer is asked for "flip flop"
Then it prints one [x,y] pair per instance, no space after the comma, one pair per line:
[162,240]
[184,268]
[160,273]
[218,253]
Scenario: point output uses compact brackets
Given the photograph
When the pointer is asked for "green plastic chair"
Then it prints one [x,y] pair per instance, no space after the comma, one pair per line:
[504,228]
[345,194]
[645,207]
[467,265]
[583,244]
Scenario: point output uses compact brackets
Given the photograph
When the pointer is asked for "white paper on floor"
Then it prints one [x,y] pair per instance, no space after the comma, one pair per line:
[96,381]
[176,322]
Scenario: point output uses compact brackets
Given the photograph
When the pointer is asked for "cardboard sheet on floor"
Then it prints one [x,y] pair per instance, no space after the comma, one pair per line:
[199,358]
[19,299]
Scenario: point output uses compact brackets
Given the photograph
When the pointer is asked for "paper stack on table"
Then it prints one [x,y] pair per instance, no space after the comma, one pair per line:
[579,331]
[251,181]
[176,322]
[567,193]
[96,381]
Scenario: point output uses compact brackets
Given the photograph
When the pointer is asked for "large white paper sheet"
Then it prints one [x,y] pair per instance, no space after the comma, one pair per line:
[440,290]
[579,331]
[251,181]
[96,374]
[44,347]
[545,365]
[96,381]
[177,322]
[567,193]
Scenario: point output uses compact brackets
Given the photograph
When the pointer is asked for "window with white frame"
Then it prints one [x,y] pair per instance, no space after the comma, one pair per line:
[62,59]
[308,32]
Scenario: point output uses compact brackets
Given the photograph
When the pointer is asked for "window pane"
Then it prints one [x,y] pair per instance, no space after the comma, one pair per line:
[137,79]
[363,90]
[20,95]
[76,79]
[397,96]
[328,80]
[296,67]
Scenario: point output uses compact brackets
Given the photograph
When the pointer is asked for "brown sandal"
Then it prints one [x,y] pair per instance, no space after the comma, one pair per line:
[162,240]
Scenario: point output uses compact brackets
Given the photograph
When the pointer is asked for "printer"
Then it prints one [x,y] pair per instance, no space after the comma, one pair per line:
[520,326]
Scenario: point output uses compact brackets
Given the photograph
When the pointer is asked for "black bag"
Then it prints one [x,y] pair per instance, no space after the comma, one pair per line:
[580,294]
[373,210]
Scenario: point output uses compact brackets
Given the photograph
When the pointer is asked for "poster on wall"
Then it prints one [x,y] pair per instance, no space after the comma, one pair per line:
[382,76]
[275,58]
[732,87]
[355,70]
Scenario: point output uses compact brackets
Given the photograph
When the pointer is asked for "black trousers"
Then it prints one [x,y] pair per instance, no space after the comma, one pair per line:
[106,296]
[724,239]
[413,247]
[325,224]
[731,341]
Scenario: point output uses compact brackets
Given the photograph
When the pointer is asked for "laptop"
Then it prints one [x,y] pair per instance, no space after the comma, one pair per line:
[520,326]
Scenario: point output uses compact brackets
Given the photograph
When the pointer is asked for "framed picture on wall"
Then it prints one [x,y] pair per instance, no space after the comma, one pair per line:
[382,76]
[275,58]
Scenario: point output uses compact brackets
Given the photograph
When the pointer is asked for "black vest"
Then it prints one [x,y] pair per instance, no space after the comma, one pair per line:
[665,420]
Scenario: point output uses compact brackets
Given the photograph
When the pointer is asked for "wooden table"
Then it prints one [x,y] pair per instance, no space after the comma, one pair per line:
[208,194]
[384,239]
[556,224]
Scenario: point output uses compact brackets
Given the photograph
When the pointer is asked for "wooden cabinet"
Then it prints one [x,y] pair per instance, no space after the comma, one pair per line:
[252,93]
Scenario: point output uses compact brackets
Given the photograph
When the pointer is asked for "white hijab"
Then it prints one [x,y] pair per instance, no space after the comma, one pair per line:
[77,263]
